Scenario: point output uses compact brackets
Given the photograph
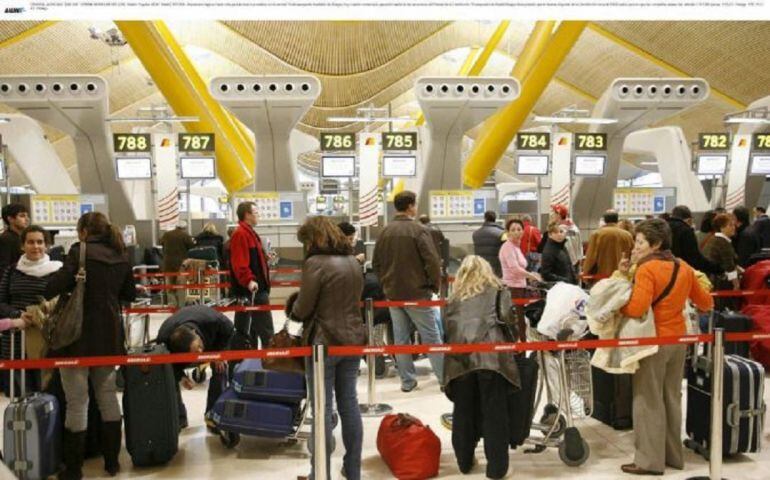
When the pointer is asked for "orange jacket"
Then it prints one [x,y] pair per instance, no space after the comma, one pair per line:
[650,281]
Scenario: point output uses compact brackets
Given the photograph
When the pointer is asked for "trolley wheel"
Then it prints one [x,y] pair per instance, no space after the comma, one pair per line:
[199,375]
[229,439]
[573,450]
[561,426]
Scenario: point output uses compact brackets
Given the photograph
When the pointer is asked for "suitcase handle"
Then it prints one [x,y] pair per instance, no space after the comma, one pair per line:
[734,415]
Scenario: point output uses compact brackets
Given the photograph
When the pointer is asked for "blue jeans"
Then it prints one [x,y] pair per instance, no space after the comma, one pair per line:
[424,320]
[341,378]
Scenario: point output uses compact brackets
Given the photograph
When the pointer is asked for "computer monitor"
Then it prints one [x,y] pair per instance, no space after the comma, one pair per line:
[760,164]
[338,166]
[197,168]
[712,164]
[532,165]
[133,168]
[399,166]
[590,165]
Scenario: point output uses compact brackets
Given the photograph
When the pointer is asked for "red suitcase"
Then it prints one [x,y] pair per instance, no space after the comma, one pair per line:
[760,315]
[756,277]
[410,449]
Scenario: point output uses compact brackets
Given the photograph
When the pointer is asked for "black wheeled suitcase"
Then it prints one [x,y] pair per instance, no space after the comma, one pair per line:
[521,405]
[31,433]
[734,322]
[743,407]
[613,399]
[151,411]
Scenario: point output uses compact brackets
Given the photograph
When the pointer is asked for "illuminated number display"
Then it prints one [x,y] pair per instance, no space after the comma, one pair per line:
[131,142]
[762,142]
[533,141]
[714,141]
[196,142]
[338,142]
[399,141]
[590,141]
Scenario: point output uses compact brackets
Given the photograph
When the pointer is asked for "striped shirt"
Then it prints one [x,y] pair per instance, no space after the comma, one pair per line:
[19,290]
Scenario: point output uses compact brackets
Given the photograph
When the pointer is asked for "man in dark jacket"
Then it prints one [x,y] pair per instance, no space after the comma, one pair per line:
[197,329]
[409,267]
[439,240]
[250,279]
[746,241]
[487,241]
[684,244]
[16,219]
[762,225]
[176,243]
[556,264]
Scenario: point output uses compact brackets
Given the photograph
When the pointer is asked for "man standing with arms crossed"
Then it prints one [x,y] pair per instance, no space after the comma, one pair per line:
[250,277]
[409,268]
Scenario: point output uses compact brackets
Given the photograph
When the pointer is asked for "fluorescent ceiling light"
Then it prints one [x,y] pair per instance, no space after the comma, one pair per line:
[753,121]
[652,164]
[368,119]
[153,120]
[582,120]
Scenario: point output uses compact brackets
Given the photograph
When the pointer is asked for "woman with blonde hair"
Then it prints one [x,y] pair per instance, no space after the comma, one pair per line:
[209,237]
[327,306]
[479,311]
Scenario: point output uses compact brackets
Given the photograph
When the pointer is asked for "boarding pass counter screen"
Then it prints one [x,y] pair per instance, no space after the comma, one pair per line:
[133,168]
[338,166]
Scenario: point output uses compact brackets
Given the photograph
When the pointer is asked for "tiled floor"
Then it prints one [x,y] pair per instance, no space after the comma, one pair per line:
[202,455]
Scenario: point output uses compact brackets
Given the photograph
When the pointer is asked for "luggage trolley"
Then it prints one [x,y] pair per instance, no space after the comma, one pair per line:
[574,399]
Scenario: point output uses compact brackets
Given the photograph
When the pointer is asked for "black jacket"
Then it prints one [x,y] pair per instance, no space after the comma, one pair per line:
[556,265]
[487,241]
[10,248]
[746,243]
[684,245]
[206,239]
[213,327]
[109,282]
[762,228]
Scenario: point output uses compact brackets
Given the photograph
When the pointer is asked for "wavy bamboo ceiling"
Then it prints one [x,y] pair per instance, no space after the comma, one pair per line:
[363,63]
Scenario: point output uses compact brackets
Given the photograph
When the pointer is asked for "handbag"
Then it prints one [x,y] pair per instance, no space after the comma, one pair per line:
[283,339]
[410,449]
[65,324]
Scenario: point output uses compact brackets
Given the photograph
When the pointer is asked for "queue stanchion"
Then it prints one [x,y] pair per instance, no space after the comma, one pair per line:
[717,394]
[319,412]
[372,408]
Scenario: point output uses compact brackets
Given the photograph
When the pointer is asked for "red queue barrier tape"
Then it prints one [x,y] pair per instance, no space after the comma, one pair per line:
[364,350]
[191,286]
[207,272]
[737,293]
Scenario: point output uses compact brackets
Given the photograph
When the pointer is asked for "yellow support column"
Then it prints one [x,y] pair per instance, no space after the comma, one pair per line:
[186,92]
[536,43]
[494,140]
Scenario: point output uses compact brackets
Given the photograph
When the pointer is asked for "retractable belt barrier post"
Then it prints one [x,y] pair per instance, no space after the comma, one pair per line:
[372,408]
[319,412]
[717,394]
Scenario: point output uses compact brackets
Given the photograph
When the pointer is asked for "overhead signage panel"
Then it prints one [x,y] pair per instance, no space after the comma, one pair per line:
[714,141]
[196,142]
[761,142]
[338,142]
[591,142]
[533,141]
[406,141]
[131,142]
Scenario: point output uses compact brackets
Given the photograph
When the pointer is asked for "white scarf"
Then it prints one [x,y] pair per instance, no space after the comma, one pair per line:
[38,268]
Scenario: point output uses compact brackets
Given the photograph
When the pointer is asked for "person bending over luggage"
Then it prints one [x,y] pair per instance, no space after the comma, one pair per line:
[21,286]
[109,281]
[328,307]
[479,384]
[667,282]
[556,265]
[197,329]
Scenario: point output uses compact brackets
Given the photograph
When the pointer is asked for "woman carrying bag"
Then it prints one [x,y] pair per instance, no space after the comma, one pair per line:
[479,384]
[108,282]
[328,307]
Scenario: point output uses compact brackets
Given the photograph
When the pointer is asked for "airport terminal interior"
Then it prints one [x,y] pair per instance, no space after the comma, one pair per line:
[167,127]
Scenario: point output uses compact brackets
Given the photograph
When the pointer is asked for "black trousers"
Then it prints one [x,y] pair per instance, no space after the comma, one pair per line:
[245,336]
[480,411]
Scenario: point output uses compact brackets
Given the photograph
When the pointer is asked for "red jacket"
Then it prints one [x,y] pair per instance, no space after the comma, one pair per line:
[248,260]
[530,239]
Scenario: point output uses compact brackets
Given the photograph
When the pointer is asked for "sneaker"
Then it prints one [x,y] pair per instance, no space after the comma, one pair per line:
[406,388]
[446,421]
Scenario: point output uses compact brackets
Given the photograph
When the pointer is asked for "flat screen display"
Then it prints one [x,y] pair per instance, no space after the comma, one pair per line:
[760,165]
[590,165]
[399,166]
[338,166]
[133,168]
[532,165]
[197,168]
[712,164]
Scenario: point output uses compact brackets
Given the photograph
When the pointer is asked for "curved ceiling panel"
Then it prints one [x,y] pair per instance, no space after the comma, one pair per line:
[730,55]
[336,48]
[9,30]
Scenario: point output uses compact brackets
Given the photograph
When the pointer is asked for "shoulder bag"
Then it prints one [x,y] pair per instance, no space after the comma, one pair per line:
[65,323]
